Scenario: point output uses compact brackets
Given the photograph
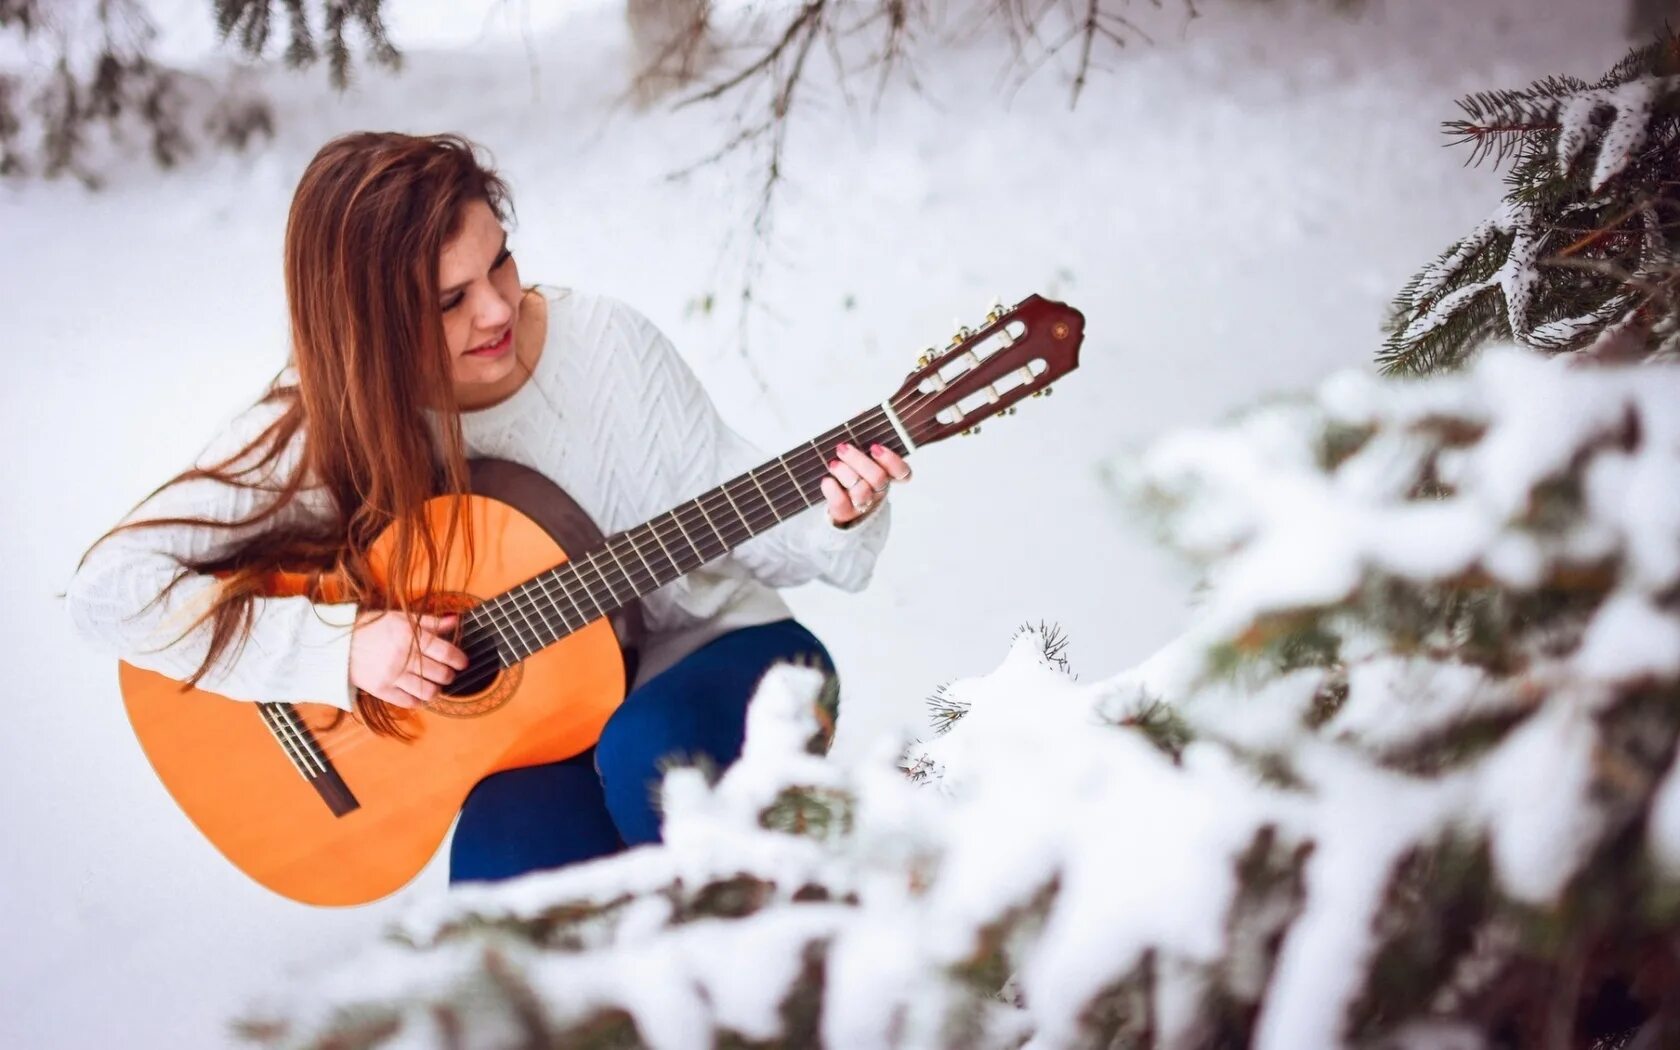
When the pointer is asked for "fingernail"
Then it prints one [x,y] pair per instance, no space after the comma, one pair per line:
[833,463]
[844,445]
[876,448]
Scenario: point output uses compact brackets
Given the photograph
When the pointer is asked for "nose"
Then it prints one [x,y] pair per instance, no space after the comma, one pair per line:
[494,312]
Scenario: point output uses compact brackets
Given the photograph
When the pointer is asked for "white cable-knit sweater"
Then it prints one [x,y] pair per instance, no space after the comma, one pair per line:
[611,414]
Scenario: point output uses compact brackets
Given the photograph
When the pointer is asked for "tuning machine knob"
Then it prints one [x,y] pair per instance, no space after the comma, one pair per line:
[971,430]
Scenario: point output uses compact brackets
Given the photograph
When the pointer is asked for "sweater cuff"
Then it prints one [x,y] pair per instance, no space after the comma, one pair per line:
[833,537]
[323,655]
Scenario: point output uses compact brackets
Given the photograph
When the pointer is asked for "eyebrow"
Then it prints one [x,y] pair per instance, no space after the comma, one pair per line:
[455,288]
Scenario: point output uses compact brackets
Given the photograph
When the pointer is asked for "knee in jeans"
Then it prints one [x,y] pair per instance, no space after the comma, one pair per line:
[636,743]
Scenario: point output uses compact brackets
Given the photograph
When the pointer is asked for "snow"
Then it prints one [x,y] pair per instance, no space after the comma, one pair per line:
[1038,788]
[1630,638]
[1393,701]
[1532,796]
[1056,834]
[1321,965]
[1232,209]
[1630,104]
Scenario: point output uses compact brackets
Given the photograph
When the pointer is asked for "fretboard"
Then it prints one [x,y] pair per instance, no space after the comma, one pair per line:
[639,560]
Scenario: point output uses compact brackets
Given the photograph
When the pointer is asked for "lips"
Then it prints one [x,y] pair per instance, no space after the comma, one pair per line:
[496,346]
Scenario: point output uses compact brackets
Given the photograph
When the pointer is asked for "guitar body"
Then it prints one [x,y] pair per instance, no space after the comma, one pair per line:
[376,808]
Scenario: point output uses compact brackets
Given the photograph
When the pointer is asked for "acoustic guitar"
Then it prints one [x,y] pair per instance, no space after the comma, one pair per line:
[307,801]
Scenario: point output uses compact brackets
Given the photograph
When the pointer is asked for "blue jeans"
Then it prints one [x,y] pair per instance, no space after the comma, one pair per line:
[606,798]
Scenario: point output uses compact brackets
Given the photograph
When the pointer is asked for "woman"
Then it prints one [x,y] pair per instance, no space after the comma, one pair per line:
[414,346]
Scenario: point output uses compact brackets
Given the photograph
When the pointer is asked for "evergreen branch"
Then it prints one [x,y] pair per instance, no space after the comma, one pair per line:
[1496,139]
[947,710]
[1592,171]
[1054,641]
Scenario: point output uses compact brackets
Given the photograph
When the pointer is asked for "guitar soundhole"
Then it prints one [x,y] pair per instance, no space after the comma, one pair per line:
[500,690]
[485,685]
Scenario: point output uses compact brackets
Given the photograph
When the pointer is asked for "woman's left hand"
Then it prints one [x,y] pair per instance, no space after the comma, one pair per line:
[857,482]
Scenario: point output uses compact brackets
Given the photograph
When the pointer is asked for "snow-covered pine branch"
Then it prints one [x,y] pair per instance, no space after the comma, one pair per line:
[1409,780]
[1582,254]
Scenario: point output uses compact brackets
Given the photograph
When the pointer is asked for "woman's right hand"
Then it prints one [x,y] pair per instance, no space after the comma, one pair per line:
[383,662]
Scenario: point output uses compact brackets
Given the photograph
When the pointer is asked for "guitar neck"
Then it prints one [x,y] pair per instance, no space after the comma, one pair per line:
[639,560]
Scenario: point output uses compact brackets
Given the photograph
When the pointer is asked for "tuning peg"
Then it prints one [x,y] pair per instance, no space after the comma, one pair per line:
[1009,411]
[995,310]
[1049,390]
[971,430]
[963,332]
[924,360]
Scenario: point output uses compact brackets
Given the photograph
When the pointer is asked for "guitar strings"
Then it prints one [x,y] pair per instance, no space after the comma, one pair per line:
[490,638]
[349,737]
[501,618]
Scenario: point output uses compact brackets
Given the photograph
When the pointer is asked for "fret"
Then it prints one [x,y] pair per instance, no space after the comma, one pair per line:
[602,573]
[548,599]
[519,607]
[530,591]
[503,624]
[698,553]
[560,579]
[830,438]
[798,489]
[577,565]
[753,476]
[494,626]
[724,488]
[521,620]
[676,570]
[652,575]
[623,569]
[701,503]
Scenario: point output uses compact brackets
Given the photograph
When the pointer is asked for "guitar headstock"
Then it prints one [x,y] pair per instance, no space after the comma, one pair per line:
[1018,352]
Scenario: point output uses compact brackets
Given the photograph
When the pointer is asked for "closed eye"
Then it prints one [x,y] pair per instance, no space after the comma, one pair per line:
[455,300]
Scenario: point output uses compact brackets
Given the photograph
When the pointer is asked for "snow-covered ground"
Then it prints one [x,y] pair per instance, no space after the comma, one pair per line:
[1231,208]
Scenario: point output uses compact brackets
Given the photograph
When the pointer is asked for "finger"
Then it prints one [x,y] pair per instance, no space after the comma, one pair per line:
[440,624]
[444,652]
[894,462]
[432,670]
[417,687]
[847,476]
[839,503]
[863,495]
[398,698]
[867,468]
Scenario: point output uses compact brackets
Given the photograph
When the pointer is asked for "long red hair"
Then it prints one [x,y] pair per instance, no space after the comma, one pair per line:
[367,224]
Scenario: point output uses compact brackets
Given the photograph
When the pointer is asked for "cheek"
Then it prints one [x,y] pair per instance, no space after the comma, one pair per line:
[457,337]
[507,283]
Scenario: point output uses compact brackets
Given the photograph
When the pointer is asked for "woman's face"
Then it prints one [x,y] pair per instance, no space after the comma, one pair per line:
[479,296]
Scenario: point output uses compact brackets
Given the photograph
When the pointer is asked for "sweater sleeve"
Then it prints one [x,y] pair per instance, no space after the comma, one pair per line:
[297,651]
[805,547]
